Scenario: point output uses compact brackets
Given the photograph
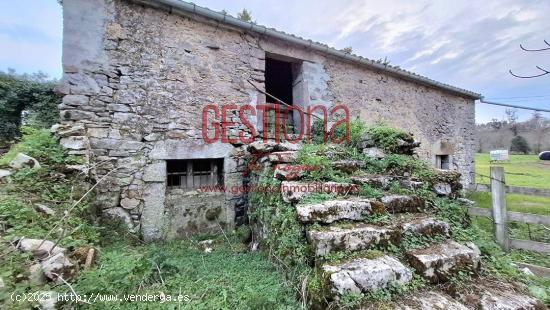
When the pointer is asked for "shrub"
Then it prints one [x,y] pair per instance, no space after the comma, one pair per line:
[520,145]
[386,137]
[31,93]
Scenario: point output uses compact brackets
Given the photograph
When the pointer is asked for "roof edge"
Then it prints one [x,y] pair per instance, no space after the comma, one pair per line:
[192,8]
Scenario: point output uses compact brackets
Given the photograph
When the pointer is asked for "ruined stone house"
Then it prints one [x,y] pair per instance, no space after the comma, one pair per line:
[138,73]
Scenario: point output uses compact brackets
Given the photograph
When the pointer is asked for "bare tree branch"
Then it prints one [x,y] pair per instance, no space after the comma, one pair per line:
[536,50]
[544,72]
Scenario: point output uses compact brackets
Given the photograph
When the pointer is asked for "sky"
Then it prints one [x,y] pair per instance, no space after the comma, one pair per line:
[470,44]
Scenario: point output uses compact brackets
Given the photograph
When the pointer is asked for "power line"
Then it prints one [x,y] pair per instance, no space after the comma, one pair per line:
[538,96]
[514,106]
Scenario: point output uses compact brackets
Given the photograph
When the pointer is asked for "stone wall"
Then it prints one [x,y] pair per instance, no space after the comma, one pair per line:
[136,79]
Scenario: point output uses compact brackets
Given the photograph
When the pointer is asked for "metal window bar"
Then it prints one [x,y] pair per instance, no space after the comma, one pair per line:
[198,173]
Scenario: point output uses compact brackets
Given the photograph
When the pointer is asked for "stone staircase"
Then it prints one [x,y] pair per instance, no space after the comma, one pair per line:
[342,225]
[351,238]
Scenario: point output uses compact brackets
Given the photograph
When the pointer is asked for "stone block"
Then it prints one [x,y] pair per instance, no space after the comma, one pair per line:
[335,210]
[426,227]
[402,203]
[293,191]
[437,263]
[351,237]
[155,172]
[364,275]
[75,100]
[74,142]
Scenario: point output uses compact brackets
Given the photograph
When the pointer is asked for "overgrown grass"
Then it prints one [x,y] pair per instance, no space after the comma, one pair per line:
[515,202]
[226,278]
[520,170]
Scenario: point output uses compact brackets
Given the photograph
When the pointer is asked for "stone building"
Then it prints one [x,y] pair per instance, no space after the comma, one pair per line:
[138,73]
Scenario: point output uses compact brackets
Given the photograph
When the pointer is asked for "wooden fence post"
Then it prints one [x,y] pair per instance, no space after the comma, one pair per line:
[500,217]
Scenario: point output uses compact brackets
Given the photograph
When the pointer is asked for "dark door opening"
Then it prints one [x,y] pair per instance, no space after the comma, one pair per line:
[278,82]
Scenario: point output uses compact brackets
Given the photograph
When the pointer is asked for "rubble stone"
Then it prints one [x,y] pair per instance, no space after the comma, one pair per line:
[21,160]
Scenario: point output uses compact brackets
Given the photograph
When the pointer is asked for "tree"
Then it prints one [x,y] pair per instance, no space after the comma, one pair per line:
[512,116]
[245,15]
[347,50]
[32,94]
[520,145]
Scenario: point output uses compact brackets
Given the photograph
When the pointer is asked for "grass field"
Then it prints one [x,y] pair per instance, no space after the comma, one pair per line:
[520,170]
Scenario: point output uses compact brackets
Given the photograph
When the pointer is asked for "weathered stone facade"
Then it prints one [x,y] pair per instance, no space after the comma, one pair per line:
[136,79]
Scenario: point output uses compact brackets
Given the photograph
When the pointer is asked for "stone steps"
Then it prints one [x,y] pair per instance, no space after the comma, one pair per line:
[438,262]
[361,236]
[364,275]
[354,209]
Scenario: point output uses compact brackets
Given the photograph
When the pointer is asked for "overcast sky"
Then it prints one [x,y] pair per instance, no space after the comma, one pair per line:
[469,44]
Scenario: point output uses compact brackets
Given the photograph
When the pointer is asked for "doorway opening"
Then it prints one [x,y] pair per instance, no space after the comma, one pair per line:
[279,78]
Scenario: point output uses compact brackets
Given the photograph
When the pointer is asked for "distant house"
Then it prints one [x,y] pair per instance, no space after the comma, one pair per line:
[137,75]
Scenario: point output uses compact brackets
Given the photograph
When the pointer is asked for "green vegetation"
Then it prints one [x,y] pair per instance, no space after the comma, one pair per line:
[520,145]
[226,278]
[31,93]
[520,170]
[515,202]
[229,277]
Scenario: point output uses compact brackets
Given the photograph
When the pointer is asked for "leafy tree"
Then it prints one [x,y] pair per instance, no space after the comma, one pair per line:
[347,50]
[26,98]
[245,15]
[520,145]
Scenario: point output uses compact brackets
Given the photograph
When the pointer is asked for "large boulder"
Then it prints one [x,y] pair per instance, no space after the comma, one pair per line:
[335,210]
[364,275]
[21,161]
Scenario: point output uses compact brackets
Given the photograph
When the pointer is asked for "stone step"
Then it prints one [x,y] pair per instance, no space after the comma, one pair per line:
[294,191]
[364,275]
[497,296]
[361,236]
[329,211]
[429,300]
[438,262]
[384,181]
[425,226]
[402,203]
[351,237]
[348,165]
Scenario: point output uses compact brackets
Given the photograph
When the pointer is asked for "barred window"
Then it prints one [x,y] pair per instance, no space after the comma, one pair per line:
[194,173]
